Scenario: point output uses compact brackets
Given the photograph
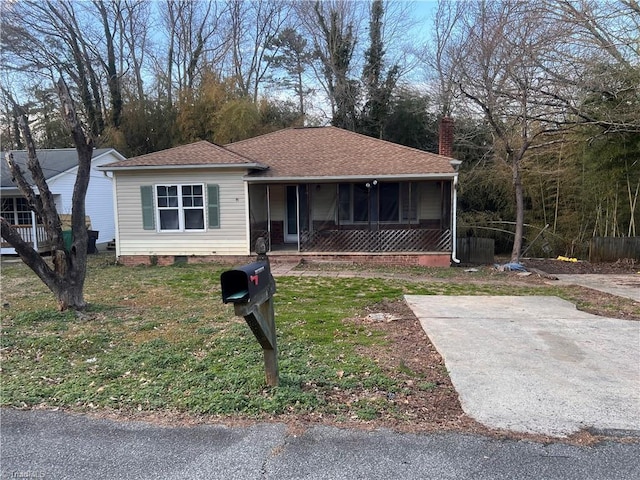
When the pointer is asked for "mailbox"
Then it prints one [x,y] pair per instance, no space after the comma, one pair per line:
[245,283]
[251,288]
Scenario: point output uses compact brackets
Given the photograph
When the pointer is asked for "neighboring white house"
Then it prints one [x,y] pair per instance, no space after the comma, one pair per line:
[60,167]
[318,191]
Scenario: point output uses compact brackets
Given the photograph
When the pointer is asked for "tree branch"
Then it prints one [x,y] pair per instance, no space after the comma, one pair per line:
[28,254]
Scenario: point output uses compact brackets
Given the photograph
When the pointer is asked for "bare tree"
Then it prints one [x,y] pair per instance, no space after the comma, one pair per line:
[333,28]
[67,275]
[442,53]
[133,19]
[595,66]
[51,37]
[99,46]
[195,42]
[498,71]
[109,63]
[255,25]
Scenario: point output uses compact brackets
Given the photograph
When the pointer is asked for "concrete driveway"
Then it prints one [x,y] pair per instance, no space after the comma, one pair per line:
[536,364]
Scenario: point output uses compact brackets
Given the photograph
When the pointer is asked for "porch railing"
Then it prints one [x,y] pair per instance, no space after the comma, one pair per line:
[26,232]
[391,240]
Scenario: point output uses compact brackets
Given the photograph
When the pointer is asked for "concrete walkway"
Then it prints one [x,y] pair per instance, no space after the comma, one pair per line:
[536,364]
[621,285]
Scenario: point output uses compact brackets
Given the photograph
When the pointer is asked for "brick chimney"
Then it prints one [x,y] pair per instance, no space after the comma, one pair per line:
[445,137]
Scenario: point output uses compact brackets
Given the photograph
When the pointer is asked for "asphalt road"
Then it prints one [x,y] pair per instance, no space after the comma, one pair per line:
[56,445]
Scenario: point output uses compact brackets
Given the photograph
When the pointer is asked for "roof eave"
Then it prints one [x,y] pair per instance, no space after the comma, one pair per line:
[216,166]
[111,151]
[351,178]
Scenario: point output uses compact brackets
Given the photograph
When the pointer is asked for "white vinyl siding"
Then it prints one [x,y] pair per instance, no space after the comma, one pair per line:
[230,238]
[99,199]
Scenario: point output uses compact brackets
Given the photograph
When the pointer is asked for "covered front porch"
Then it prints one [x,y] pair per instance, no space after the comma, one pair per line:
[374,217]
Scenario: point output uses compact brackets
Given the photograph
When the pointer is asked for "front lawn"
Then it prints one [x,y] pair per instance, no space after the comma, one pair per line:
[159,339]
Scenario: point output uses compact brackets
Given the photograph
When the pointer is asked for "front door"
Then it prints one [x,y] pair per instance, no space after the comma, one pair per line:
[291,215]
[295,212]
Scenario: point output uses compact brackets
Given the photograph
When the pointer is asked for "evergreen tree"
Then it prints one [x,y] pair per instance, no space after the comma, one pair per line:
[377,86]
[290,54]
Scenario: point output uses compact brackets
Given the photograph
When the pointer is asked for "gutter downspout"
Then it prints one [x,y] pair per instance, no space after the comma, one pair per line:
[454,220]
[247,218]
[34,230]
[298,214]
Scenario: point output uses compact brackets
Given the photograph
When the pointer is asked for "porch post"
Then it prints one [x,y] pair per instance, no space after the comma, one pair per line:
[269,215]
[34,230]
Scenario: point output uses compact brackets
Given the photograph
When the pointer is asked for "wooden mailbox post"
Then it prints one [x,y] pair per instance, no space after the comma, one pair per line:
[250,288]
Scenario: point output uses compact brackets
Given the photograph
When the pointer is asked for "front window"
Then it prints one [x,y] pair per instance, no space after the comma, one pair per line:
[180,207]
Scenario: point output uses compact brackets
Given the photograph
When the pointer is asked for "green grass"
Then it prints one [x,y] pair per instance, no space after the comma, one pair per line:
[159,338]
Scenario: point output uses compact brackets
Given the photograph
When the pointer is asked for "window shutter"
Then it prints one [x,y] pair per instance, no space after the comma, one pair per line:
[148,213]
[213,204]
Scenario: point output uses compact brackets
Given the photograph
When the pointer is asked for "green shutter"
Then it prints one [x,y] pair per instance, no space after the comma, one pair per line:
[148,210]
[213,204]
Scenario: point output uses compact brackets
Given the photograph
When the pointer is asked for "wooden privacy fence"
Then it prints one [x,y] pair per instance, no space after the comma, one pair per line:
[475,250]
[610,249]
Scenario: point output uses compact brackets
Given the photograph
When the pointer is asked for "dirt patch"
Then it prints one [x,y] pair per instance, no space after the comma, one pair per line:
[429,400]
[554,266]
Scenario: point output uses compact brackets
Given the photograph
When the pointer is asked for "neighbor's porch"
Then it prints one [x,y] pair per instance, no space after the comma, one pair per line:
[34,234]
[17,212]
[374,217]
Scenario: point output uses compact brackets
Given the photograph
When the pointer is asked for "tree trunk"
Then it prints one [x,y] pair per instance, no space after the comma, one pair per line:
[66,278]
[70,295]
[113,80]
[519,197]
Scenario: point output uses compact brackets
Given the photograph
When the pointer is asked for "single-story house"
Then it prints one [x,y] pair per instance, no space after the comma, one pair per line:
[60,168]
[313,191]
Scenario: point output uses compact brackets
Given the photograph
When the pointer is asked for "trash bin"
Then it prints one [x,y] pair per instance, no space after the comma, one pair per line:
[92,236]
[67,239]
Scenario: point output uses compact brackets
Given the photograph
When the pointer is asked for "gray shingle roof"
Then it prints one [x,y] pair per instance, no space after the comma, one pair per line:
[52,161]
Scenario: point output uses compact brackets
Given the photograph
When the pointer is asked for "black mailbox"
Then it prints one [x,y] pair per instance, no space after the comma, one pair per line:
[245,283]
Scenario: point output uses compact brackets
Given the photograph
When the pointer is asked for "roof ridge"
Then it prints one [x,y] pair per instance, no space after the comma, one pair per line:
[240,142]
[406,147]
[339,130]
